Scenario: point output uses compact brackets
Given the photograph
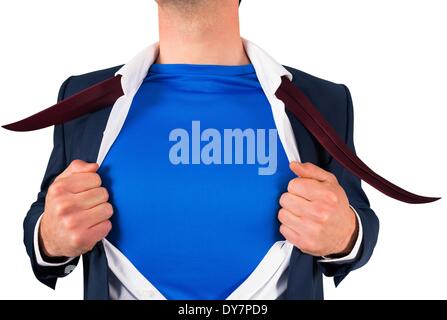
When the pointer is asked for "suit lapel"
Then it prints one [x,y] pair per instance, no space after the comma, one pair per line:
[269,74]
[307,148]
[132,76]
[93,134]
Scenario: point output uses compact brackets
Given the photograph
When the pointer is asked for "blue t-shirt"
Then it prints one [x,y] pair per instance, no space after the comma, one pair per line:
[195,177]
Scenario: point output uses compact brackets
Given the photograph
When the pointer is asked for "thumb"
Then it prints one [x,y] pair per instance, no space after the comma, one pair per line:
[311,171]
[296,168]
[78,166]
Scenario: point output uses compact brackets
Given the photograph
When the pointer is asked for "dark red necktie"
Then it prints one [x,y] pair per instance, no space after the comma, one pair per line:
[107,92]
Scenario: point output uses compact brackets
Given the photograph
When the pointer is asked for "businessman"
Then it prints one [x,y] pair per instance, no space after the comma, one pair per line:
[196,183]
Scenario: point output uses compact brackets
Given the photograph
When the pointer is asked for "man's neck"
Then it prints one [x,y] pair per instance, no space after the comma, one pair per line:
[201,35]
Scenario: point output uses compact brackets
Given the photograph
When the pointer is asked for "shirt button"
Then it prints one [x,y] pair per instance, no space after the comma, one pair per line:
[69,269]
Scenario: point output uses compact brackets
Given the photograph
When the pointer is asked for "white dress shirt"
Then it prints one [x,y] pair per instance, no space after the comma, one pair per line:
[269,279]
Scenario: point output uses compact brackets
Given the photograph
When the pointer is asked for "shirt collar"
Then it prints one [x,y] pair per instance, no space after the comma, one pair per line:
[268,71]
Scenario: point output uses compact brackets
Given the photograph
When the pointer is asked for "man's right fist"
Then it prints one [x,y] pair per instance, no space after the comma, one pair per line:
[76,214]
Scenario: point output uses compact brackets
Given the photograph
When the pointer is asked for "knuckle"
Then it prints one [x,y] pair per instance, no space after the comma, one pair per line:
[108,209]
[293,184]
[331,196]
[282,230]
[322,218]
[282,215]
[309,166]
[320,211]
[104,193]
[61,207]
[69,223]
[108,225]
[76,163]
[332,177]
[322,214]
[97,179]
[77,240]
[107,228]
[56,188]
[283,199]
[306,165]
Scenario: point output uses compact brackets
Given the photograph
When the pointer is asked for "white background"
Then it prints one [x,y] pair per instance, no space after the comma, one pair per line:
[391,54]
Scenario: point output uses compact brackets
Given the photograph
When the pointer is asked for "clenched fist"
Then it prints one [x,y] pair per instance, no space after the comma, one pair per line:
[315,214]
[76,214]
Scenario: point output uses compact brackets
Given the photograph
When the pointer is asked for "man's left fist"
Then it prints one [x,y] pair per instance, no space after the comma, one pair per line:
[315,214]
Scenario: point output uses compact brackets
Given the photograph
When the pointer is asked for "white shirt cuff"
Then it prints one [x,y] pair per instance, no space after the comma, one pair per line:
[40,261]
[355,250]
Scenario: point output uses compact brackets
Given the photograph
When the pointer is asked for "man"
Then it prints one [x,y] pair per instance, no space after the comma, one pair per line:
[182,188]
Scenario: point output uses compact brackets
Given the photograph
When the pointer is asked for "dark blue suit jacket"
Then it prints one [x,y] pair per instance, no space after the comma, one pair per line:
[81,139]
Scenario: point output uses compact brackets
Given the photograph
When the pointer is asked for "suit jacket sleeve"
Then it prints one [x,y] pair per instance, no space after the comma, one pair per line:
[359,201]
[56,164]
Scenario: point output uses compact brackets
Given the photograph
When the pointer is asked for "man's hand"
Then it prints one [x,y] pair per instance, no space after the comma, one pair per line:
[315,214]
[76,212]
